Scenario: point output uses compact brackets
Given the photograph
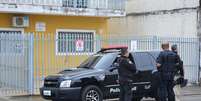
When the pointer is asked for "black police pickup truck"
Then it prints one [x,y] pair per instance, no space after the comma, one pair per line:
[95,79]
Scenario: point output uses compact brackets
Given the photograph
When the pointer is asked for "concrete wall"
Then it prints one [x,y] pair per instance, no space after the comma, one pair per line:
[157,17]
[181,23]
[154,5]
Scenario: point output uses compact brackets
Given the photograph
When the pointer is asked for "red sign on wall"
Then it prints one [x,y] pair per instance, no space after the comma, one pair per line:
[79,45]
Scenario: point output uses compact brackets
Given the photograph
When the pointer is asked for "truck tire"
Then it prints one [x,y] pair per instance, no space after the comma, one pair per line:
[137,99]
[91,93]
[156,96]
[55,100]
[58,100]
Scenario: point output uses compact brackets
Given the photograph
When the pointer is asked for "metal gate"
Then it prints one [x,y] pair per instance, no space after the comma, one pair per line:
[188,50]
[25,59]
[15,65]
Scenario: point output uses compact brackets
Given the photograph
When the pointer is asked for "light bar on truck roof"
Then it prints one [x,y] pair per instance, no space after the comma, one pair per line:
[113,47]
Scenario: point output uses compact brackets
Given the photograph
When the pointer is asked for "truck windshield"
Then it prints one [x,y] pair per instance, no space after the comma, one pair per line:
[99,61]
[90,62]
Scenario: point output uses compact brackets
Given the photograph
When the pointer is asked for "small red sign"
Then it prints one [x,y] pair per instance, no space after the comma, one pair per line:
[79,45]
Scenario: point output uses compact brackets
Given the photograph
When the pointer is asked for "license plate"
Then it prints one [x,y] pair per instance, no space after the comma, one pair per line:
[47,92]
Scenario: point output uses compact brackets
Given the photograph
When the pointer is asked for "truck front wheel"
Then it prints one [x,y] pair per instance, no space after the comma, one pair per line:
[91,93]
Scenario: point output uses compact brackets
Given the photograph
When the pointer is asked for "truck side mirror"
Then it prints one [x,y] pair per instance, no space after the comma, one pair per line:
[112,69]
[114,66]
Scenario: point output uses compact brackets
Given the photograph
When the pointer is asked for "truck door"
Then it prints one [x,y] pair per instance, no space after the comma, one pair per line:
[111,86]
[145,65]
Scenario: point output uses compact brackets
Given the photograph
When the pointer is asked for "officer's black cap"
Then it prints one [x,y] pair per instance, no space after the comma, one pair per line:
[124,51]
[174,47]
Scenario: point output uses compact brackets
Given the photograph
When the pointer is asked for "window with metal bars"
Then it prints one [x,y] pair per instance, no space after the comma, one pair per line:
[75,3]
[68,3]
[82,3]
[75,42]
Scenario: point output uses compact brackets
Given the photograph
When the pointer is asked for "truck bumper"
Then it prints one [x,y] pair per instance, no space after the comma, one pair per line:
[60,93]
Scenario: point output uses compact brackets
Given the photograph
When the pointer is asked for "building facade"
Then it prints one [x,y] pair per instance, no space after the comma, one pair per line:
[85,19]
[43,37]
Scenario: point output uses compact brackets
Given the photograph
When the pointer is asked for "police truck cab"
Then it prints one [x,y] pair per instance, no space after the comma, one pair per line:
[96,79]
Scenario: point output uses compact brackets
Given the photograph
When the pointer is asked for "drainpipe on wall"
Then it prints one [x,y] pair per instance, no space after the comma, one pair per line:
[199,33]
[199,80]
[199,36]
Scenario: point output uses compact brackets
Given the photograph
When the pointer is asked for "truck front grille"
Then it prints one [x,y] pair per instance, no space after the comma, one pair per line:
[51,83]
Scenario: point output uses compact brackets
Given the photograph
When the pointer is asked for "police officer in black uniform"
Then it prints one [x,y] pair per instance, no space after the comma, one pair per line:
[166,64]
[126,70]
[179,65]
[179,68]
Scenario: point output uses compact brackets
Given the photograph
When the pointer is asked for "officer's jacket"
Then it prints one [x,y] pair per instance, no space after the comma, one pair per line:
[168,61]
[179,65]
[126,69]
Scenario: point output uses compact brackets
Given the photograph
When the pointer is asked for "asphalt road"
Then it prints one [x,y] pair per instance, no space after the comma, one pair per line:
[184,94]
[38,98]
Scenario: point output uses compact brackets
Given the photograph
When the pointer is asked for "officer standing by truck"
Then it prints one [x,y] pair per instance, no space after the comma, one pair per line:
[126,70]
[166,64]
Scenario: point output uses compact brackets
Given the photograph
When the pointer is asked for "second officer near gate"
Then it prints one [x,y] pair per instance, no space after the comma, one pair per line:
[166,63]
[179,69]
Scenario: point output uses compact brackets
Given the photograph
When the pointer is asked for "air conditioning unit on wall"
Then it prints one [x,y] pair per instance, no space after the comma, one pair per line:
[20,21]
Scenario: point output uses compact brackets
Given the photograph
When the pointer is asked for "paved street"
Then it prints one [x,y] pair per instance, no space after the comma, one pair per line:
[184,94]
[38,98]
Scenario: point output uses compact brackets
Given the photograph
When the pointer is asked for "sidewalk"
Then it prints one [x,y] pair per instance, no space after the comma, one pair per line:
[191,93]
[23,98]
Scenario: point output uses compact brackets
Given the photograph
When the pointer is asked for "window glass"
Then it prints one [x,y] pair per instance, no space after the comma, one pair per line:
[144,61]
[106,61]
[99,61]
[90,62]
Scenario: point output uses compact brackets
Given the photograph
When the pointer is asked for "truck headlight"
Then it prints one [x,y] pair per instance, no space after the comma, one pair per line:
[42,83]
[65,84]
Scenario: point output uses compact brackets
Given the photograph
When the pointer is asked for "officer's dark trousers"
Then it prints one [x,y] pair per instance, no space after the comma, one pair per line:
[125,92]
[166,92]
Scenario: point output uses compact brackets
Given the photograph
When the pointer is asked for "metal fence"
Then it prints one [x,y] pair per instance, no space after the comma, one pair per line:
[25,59]
[188,49]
